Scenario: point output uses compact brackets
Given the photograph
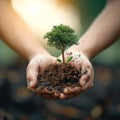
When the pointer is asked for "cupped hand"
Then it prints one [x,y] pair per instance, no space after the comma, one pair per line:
[36,66]
[80,61]
[38,63]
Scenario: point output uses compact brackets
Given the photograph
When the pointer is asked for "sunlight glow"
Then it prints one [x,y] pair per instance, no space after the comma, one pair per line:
[41,15]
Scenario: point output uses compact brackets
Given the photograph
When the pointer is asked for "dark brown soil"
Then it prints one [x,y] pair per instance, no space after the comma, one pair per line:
[58,76]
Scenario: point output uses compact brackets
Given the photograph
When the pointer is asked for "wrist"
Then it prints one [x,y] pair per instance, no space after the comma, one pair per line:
[78,48]
[86,53]
[86,48]
[36,53]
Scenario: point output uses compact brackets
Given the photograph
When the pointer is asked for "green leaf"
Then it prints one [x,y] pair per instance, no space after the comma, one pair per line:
[61,36]
[69,59]
[59,60]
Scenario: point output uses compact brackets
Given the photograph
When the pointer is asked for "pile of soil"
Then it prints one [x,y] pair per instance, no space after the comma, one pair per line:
[58,76]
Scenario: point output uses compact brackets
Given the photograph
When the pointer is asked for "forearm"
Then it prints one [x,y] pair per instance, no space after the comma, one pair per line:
[103,32]
[16,33]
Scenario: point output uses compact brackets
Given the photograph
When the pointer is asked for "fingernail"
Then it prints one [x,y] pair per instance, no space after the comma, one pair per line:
[31,83]
[83,83]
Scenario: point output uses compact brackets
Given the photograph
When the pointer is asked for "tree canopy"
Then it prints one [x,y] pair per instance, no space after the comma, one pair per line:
[60,37]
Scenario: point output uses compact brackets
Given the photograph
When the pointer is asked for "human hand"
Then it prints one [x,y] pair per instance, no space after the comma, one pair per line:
[37,65]
[40,62]
[80,61]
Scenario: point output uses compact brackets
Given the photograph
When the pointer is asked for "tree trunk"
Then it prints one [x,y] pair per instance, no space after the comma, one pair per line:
[63,56]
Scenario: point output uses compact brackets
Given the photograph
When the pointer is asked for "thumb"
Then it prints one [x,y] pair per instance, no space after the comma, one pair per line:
[31,74]
[84,79]
[31,81]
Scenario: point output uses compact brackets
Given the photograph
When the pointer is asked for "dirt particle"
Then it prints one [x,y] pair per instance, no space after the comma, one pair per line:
[57,76]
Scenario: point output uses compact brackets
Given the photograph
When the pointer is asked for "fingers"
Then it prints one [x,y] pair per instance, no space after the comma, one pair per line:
[31,75]
[40,90]
[85,82]
[34,68]
[84,79]
[74,90]
[87,78]
[64,96]
[49,94]
[67,96]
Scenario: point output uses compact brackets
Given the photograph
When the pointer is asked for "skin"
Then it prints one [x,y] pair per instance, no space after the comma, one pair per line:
[16,34]
[24,42]
[103,32]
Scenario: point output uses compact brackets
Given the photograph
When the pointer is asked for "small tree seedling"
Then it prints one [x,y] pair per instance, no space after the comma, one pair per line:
[61,37]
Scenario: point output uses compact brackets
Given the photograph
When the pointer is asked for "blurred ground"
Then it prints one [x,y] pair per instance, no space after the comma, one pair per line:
[102,102]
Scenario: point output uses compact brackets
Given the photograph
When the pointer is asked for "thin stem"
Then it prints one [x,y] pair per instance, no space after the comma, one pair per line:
[63,56]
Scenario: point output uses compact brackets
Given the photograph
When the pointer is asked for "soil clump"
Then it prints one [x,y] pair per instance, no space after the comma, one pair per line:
[59,76]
